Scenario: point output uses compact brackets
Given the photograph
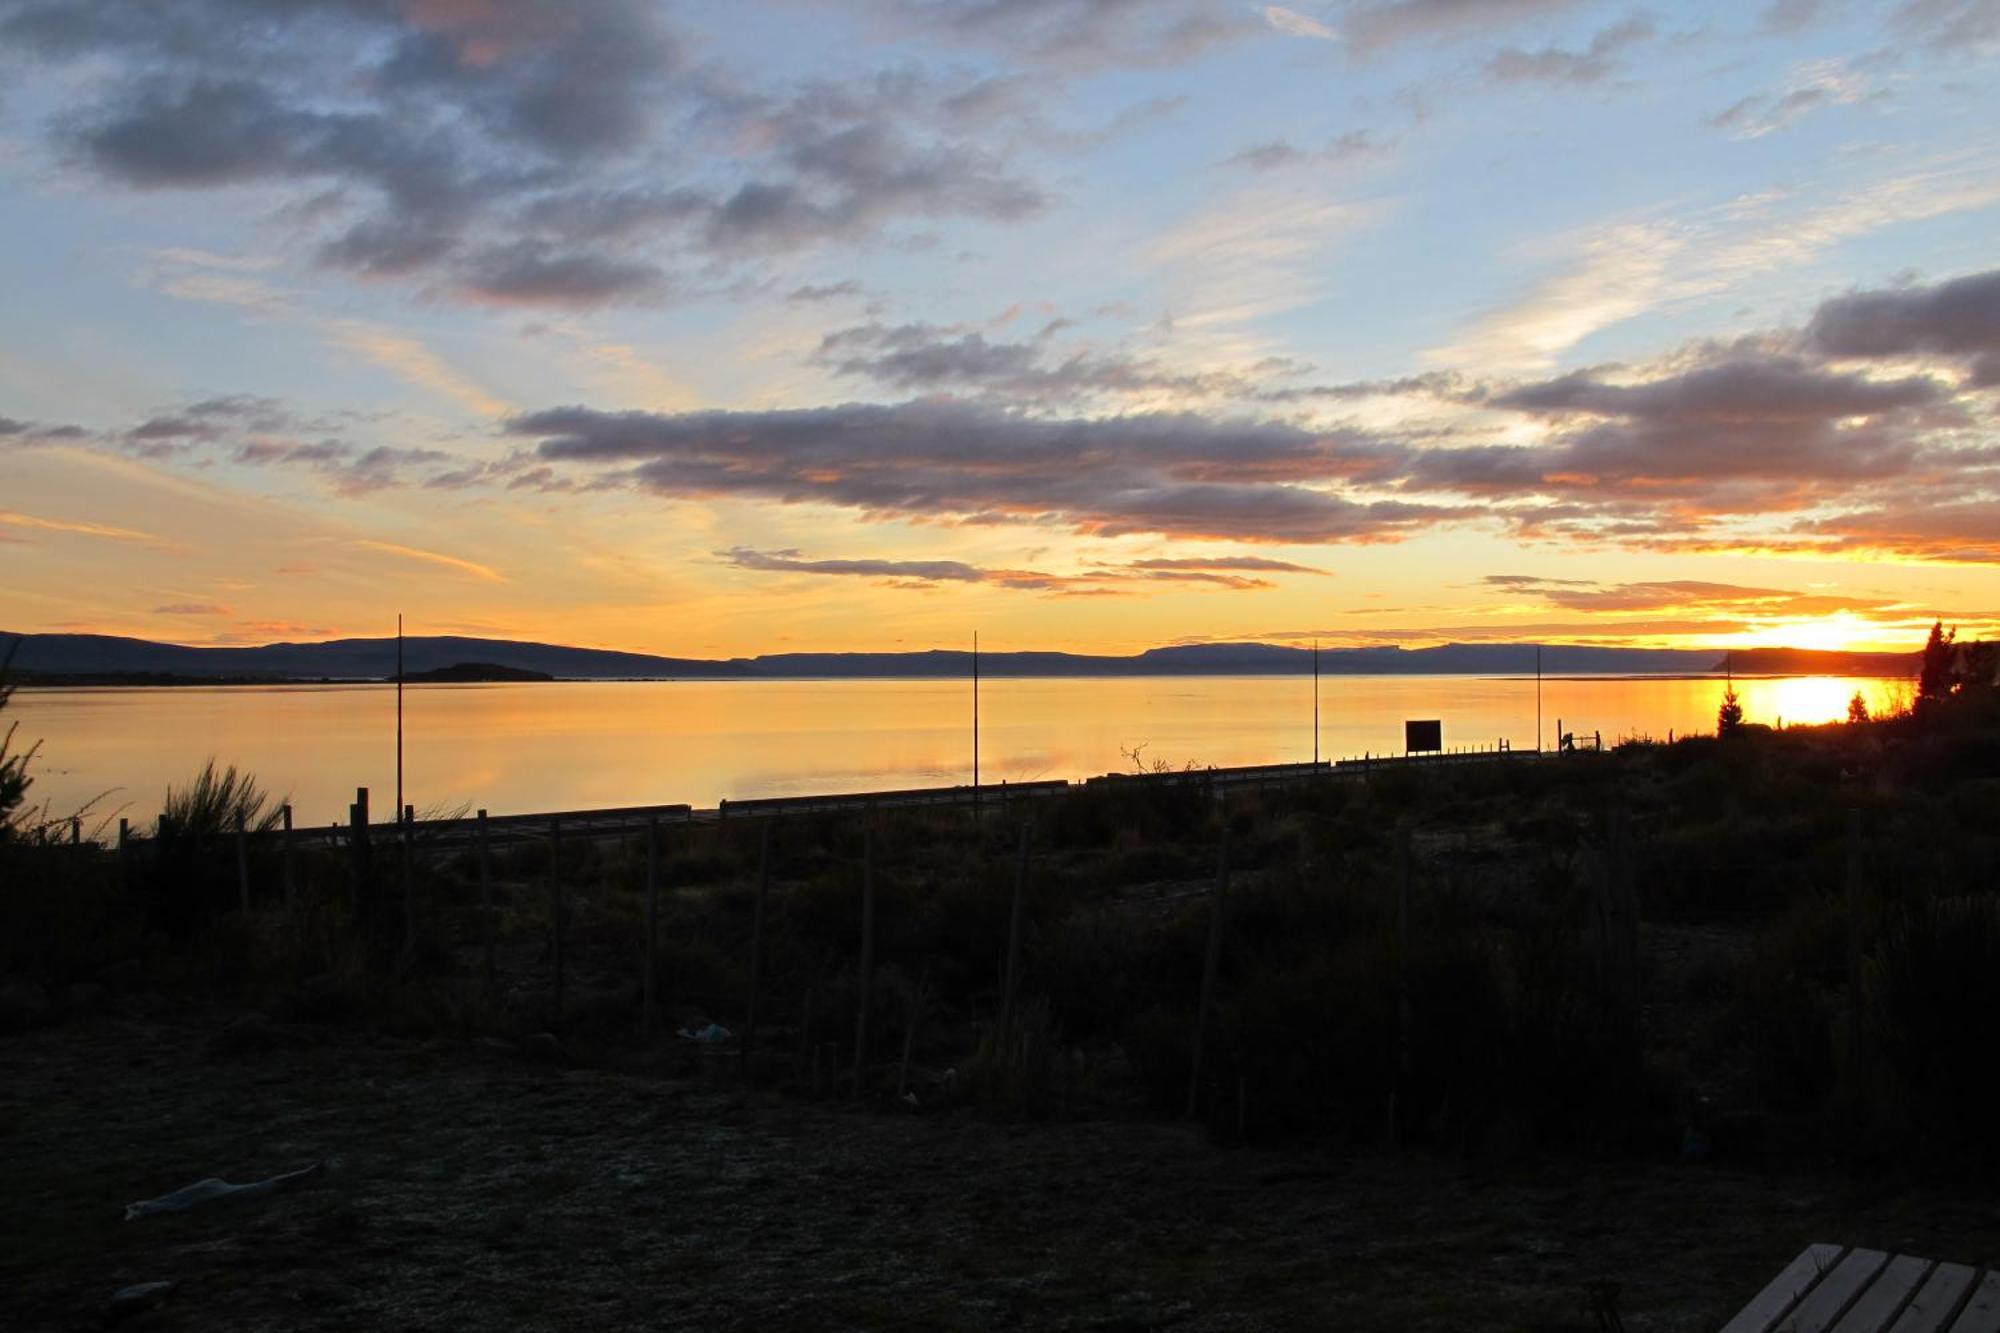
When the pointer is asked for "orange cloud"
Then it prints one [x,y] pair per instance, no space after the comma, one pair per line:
[472,567]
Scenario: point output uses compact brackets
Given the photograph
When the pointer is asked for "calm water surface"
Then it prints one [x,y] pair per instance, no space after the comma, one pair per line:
[528,747]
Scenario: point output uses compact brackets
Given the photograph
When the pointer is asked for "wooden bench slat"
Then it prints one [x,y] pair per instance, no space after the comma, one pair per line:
[1828,1300]
[1784,1291]
[1982,1312]
[1933,1305]
[1886,1295]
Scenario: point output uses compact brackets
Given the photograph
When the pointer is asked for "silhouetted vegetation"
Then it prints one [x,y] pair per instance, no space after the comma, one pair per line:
[14,761]
[1934,673]
[1729,717]
[1478,993]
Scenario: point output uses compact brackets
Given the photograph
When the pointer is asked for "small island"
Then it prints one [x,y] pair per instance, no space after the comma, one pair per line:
[467,673]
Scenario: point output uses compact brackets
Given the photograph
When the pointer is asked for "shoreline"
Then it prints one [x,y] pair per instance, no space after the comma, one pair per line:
[32,684]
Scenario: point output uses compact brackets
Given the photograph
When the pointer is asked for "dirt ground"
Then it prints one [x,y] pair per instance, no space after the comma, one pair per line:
[469,1186]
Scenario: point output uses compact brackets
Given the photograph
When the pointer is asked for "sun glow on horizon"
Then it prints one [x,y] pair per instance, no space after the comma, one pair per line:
[1841,631]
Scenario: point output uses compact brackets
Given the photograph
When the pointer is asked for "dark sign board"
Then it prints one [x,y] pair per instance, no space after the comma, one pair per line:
[1423,737]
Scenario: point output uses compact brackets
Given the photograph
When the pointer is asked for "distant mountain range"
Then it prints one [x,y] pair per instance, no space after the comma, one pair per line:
[103,658]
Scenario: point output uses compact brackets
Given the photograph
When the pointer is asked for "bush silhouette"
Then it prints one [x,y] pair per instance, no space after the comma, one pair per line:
[1729,717]
[1934,675]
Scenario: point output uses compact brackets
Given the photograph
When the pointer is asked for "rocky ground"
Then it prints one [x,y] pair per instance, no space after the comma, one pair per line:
[469,1185]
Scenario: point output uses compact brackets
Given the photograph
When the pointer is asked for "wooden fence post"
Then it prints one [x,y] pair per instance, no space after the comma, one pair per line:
[485,902]
[1010,984]
[757,942]
[1405,874]
[556,910]
[125,853]
[357,858]
[1210,963]
[406,852]
[285,853]
[1857,893]
[242,866]
[867,953]
[650,954]
[76,830]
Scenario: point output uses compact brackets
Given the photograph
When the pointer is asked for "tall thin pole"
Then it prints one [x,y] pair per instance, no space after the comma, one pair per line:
[975,717]
[1315,703]
[1538,698]
[399,712]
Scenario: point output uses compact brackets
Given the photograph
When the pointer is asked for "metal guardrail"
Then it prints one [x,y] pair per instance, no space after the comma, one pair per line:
[628,821]
[617,821]
[999,794]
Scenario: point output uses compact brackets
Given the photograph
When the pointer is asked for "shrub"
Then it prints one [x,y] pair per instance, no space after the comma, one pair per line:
[1729,717]
[1788,1001]
[215,804]
[1934,986]
[1022,1068]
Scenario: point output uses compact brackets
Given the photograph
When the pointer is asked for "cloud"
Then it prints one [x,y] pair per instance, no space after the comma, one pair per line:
[1934,527]
[1553,64]
[1275,154]
[259,432]
[1789,16]
[1294,24]
[451,562]
[528,154]
[1682,595]
[211,419]
[1080,35]
[1210,573]
[1387,22]
[1740,433]
[1175,474]
[15,431]
[1252,253]
[1959,318]
[533,271]
[928,358]
[1615,272]
[1257,563]
[831,291]
[15,519]
[1952,24]
[1822,84]
[790,562]
[192,609]
[1771,443]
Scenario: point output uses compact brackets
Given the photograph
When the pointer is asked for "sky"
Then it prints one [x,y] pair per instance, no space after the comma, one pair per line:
[712,329]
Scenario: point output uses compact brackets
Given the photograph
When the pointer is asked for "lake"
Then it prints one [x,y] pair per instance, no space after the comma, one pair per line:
[518,748]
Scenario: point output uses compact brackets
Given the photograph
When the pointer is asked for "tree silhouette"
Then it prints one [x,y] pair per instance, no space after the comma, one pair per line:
[1730,716]
[1934,676]
[1857,708]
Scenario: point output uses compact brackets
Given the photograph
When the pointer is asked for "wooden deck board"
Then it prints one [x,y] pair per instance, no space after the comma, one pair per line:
[1982,1312]
[1784,1291]
[1833,1289]
[1887,1294]
[1931,1309]
[1829,1299]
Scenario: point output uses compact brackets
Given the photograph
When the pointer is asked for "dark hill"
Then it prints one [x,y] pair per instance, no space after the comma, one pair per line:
[72,658]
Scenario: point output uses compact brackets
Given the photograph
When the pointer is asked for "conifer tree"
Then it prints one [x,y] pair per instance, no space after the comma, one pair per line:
[1934,675]
[1730,716]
